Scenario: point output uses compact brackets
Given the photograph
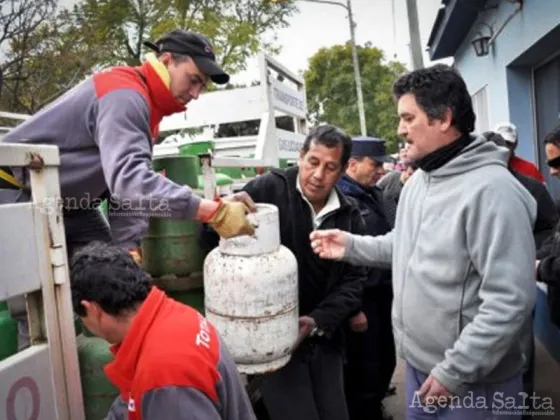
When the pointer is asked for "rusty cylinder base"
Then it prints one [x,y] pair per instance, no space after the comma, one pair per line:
[263,368]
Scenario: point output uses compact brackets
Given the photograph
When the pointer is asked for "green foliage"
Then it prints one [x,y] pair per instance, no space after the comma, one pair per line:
[332,97]
[234,27]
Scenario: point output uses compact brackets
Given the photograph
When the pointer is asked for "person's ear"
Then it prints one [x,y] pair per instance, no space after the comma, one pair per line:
[166,58]
[446,121]
[93,310]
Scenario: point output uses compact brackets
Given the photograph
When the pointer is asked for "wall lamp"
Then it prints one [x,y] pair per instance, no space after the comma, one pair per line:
[481,43]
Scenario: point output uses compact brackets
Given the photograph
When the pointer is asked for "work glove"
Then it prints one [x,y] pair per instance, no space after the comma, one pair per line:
[230,220]
[136,255]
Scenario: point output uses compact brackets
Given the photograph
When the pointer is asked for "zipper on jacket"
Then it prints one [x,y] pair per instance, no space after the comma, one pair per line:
[417,234]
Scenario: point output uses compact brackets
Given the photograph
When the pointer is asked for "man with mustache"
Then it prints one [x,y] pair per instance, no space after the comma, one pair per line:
[310,386]
[461,251]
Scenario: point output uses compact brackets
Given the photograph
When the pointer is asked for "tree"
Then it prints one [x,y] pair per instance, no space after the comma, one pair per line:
[331,90]
[54,50]
[234,27]
[19,19]
[50,59]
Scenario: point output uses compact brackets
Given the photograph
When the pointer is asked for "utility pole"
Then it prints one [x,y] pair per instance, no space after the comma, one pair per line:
[357,76]
[414,30]
[355,61]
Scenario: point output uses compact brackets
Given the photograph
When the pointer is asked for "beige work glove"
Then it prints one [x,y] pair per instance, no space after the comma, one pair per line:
[230,220]
[136,255]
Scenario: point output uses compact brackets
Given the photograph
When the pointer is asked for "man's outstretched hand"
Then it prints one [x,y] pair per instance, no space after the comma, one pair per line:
[329,244]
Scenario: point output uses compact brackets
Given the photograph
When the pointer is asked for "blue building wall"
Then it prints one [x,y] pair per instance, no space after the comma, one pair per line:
[509,85]
[529,39]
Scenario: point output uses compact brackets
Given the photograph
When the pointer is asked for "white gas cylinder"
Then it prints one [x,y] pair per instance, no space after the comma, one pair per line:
[251,295]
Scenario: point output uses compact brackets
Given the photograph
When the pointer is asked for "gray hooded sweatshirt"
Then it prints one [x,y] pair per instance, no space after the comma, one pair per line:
[463,260]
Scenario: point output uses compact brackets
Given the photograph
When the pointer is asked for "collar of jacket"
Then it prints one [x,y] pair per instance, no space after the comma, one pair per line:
[350,186]
[291,175]
[121,370]
[156,77]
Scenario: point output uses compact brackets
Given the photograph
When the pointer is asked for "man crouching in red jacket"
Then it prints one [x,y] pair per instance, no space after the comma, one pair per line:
[169,360]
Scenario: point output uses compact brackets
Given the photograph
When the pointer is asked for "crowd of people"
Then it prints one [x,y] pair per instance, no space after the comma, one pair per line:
[434,262]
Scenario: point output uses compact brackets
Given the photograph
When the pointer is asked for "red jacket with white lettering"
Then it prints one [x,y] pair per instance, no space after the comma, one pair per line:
[172,365]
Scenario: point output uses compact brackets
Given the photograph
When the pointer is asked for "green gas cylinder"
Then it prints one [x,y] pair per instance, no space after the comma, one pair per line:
[170,247]
[193,298]
[99,393]
[104,209]
[8,333]
[187,290]
[196,147]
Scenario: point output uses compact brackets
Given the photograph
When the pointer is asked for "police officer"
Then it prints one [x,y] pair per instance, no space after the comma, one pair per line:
[371,356]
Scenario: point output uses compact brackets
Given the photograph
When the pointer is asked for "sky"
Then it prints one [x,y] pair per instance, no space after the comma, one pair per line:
[323,25]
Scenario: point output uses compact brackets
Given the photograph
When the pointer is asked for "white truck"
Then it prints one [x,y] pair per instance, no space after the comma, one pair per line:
[281,93]
[43,381]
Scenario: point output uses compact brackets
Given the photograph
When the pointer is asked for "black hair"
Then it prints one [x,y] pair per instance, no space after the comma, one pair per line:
[330,136]
[108,276]
[436,89]
[553,137]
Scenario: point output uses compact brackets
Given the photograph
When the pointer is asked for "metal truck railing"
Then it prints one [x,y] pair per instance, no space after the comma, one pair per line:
[10,116]
[42,381]
[283,95]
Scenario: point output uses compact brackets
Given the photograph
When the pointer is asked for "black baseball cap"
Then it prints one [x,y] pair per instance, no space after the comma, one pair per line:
[197,47]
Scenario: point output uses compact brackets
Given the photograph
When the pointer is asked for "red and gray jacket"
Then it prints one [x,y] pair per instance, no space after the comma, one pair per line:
[173,365]
[104,129]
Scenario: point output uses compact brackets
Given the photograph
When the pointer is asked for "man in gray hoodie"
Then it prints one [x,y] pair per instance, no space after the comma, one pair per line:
[462,253]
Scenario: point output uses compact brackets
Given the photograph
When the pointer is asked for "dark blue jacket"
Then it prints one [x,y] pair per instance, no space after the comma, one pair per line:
[371,204]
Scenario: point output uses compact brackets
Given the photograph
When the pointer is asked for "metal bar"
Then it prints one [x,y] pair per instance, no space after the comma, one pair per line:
[234,162]
[13,116]
[415,43]
[357,76]
[282,69]
[208,175]
[45,185]
[508,19]
[23,154]
[356,64]
[44,273]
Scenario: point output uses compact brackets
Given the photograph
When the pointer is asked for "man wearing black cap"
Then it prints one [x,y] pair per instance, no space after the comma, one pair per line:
[194,47]
[105,128]
[370,352]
